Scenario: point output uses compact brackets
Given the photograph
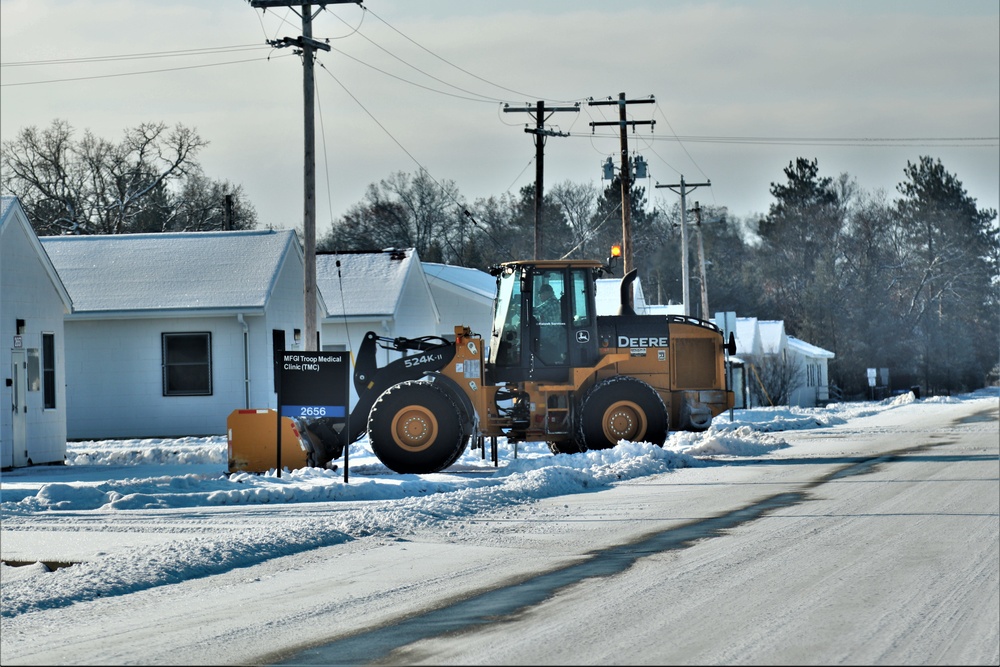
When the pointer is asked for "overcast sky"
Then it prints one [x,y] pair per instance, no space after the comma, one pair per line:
[740,90]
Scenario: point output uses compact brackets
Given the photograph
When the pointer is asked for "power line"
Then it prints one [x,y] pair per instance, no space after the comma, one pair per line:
[154,71]
[479,98]
[850,142]
[408,64]
[389,134]
[859,142]
[464,71]
[136,56]
[683,147]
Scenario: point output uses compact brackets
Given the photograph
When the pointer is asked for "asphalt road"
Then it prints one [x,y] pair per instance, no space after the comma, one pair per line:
[875,543]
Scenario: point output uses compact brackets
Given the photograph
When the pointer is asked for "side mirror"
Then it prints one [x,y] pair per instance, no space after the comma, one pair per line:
[730,347]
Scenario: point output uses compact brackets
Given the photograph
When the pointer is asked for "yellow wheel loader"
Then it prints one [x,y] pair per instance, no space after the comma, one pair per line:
[555,372]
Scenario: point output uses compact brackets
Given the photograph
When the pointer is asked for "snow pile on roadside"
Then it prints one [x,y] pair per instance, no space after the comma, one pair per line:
[147,451]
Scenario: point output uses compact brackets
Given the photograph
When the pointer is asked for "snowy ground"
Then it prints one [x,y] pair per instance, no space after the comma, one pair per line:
[135,515]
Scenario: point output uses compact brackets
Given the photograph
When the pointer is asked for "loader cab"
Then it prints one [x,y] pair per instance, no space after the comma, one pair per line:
[545,320]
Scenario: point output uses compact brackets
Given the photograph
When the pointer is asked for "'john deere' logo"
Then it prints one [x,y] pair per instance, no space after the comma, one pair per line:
[582,336]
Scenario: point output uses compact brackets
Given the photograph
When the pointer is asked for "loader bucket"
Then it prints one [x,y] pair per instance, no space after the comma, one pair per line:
[252,442]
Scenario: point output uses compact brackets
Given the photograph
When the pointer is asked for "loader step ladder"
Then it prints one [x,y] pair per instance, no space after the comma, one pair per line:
[557,419]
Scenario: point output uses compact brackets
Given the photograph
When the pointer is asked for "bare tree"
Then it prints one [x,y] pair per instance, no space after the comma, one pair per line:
[403,210]
[775,377]
[149,181]
[578,202]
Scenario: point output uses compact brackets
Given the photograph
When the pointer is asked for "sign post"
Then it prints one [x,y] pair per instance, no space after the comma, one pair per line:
[312,385]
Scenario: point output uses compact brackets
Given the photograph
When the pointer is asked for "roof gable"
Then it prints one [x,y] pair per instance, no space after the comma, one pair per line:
[747,336]
[170,271]
[11,213]
[772,335]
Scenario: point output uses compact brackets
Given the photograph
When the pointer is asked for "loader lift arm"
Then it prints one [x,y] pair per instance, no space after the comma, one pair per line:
[328,436]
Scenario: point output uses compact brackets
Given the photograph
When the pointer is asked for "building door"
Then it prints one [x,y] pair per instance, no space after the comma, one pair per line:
[19,407]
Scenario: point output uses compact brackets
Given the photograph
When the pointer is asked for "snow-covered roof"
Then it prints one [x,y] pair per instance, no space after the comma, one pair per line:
[366,284]
[473,280]
[123,273]
[608,296]
[808,349]
[663,309]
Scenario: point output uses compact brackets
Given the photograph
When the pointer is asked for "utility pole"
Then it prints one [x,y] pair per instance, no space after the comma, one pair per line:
[306,46]
[701,262]
[540,133]
[626,172]
[684,189]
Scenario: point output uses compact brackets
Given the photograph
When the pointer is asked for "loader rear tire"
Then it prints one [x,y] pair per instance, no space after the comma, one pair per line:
[621,408]
[416,428]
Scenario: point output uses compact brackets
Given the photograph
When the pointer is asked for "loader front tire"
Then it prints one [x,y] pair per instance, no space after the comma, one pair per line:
[621,408]
[566,447]
[416,428]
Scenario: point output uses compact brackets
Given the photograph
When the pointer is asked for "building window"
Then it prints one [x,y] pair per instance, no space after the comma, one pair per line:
[277,345]
[49,370]
[34,370]
[187,364]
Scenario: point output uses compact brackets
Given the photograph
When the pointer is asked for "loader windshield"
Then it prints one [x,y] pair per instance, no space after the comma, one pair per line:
[505,345]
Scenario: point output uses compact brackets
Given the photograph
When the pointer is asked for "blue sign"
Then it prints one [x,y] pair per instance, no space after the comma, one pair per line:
[313,411]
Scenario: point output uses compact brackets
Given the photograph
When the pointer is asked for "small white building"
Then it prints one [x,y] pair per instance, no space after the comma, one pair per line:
[382,291]
[33,303]
[169,333]
[760,339]
[463,296]
[814,385]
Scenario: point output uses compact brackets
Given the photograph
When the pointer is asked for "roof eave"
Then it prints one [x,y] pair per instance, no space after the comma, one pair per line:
[163,313]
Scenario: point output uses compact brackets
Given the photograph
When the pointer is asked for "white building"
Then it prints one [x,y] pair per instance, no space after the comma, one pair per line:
[169,333]
[381,291]
[760,339]
[33,303]
[463,296]
[813,387]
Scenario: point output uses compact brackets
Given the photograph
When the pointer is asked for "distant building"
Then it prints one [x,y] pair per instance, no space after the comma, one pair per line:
[609,299]
[759,340]
[463,296]
[384,291]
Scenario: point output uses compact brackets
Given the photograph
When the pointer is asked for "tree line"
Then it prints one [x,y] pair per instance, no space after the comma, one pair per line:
[910,283]
[150,181]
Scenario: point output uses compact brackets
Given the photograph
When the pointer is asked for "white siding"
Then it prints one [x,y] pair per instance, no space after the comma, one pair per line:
[27,292]
[458,306]
[114,379]
[415,314]
[286,312]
